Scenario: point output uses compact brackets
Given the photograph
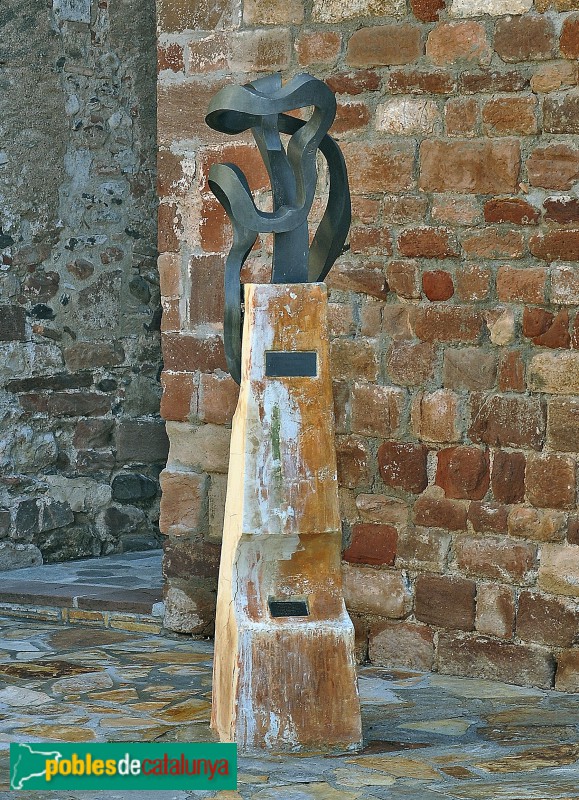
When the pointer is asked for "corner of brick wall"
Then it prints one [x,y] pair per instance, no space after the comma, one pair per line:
[455,333]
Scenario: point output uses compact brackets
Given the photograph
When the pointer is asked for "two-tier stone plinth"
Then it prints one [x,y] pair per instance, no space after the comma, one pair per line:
[284,672]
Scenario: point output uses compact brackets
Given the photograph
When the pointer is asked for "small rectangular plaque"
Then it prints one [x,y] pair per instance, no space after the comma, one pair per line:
[291,364]
[288,608]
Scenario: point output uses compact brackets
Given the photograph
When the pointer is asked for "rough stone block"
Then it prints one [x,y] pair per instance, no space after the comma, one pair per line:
[19,556]
[184,557]
[427,10]
[448,324]
[495,610]
[217,399]
[402,116]
[555,373]
[318,47]
[536,524]
[445,602]
[384,167]
[508,476]
[437,285]
[352,461]
[353,359]
[547,620]
[469,368]
[373,591]
[559,569]
[427,242]
[494,8]
[440,513]
[381,509]
[553,166]
[334,11]
[567,676]
[498,661]
[423,549]
[512,421]
[90,433]
[403,278]
[458,42]
[260,50]
[143,440]
[563,424]
[482,167]
[550,480]
[525,38]
[495,558]
[503,116]
[435,416]
[411,363]
[402,644]
[569,39]
[372,544]
[133,486]
[463,472]
[12,323]
[183,503]
[488,517]
[561,113]
[191,611]
[88,355]
[179,401]
[403,466]
[187,353]
[384,45]
[204,448]
[273,12]
[376,410]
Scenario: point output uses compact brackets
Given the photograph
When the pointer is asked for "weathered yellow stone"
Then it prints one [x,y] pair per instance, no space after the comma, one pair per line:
[357,778]
[60,733]
[555,373]
[115,695]
[398,766]
[186,712]
[285,683]
[528,760]
[336,11]
[125,623]
[559,569]
[86,617]
[173,657]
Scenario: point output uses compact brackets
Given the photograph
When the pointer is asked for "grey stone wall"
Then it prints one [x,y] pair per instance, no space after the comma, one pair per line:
[81,442]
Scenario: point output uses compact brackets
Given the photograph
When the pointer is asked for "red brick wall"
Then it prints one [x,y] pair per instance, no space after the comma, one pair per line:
[455,332]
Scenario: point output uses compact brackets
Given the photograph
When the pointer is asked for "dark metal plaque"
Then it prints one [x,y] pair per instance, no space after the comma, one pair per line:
[288,608]
[299,364]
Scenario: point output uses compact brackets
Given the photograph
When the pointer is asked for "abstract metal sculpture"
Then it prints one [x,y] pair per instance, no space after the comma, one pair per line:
[284,670]
[262,106]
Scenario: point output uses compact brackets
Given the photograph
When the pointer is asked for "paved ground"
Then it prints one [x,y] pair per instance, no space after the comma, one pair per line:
[129,583]
[427,737]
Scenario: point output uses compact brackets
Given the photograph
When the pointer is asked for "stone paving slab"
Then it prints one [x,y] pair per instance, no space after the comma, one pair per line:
[426,736]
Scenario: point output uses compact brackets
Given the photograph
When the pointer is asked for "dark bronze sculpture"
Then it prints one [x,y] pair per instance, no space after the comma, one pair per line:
[262,106]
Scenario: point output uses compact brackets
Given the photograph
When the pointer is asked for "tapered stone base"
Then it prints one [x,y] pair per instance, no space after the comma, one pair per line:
[284,675]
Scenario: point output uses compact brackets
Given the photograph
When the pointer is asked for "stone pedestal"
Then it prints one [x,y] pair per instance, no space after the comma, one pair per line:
[284,675]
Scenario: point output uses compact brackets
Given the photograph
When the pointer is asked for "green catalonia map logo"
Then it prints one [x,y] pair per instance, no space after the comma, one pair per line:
[114,765]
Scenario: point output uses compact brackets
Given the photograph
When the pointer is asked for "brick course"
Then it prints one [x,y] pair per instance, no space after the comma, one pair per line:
[453,316]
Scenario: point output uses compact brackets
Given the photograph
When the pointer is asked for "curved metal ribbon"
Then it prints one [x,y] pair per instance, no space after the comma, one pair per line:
[262,106]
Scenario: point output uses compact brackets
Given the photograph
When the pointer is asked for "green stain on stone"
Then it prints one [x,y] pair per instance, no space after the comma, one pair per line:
[275,433]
